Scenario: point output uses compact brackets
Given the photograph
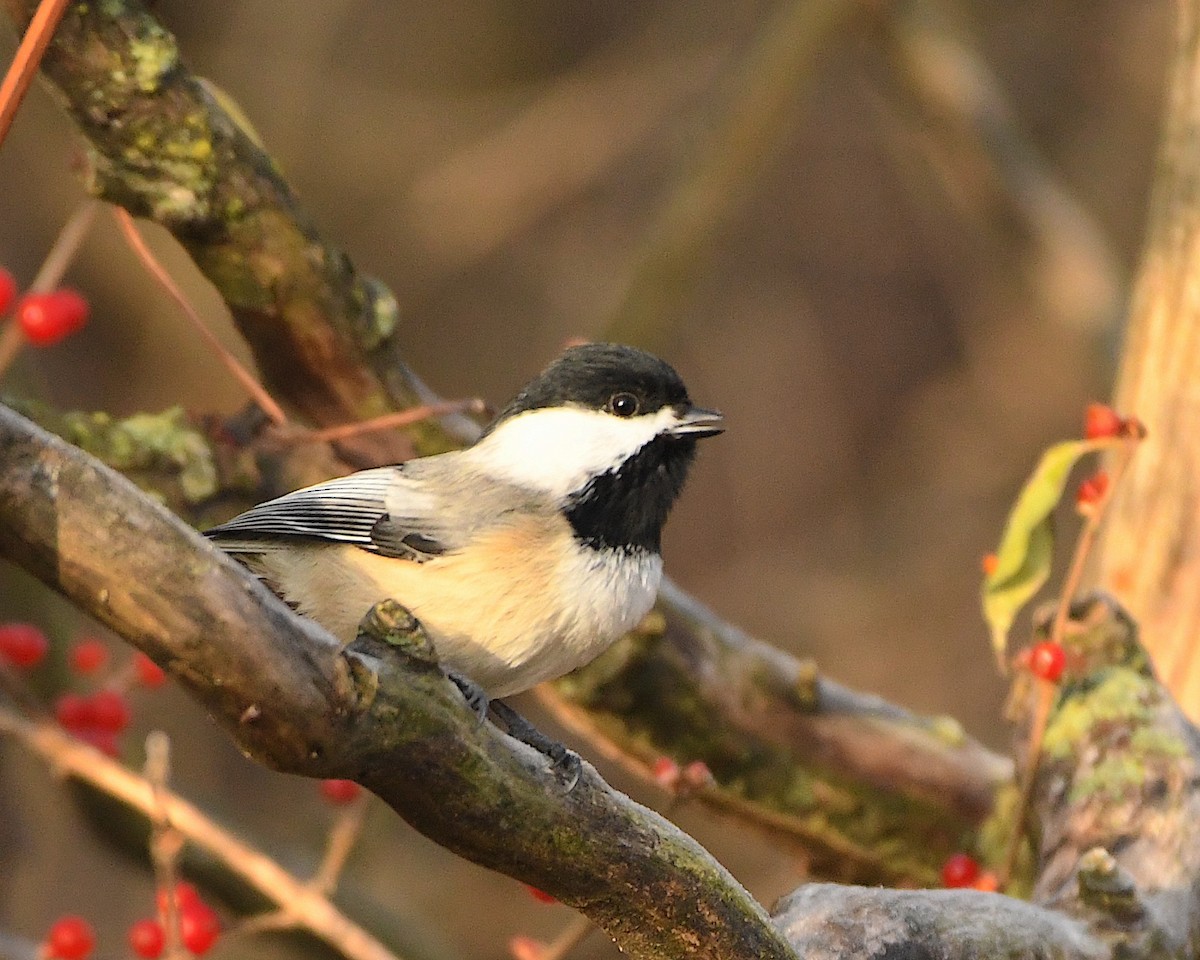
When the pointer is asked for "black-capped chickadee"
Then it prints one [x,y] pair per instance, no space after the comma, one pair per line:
[523,556]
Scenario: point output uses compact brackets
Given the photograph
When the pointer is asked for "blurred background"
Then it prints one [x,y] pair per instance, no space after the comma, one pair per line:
[891,242]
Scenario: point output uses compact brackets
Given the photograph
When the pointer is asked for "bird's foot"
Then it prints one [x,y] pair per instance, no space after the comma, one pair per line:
[565,761]
[476,697]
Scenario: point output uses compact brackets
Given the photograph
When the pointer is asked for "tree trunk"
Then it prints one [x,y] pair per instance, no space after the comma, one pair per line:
[1150,552]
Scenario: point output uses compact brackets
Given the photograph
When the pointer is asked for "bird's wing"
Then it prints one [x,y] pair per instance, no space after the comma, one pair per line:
[388,510]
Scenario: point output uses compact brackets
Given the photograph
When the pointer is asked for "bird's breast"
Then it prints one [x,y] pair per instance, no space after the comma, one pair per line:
[523,603]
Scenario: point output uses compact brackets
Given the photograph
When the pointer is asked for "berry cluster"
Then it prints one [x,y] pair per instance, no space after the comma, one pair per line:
[199,925]
[45,318]
[670,776]
[72,937]
[98,717]
[961,871]
[1102,421]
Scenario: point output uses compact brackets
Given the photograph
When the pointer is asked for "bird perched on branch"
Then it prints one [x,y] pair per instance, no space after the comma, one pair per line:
[523,556]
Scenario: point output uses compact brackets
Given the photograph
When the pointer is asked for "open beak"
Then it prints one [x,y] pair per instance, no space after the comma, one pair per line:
[697,422]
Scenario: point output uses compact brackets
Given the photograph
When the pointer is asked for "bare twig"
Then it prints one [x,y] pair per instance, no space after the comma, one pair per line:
[342,837]
[388,421]
[166,843]
[29,54]
[78,760]
[249,382]
[578,930]
[1046,693]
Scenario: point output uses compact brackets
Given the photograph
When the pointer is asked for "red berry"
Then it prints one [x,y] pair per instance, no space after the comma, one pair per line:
[149,673]
[22,644]
[1092,490]
[110,711]
[199,927]
[74,712]
[70,938]
[1101,421]
[8,290]
[987,881]
[666,772]
[186,895]
[46,318]
[959,870]
[541,896]
[990,564]
[88,656]
[1047,660]
[147,939]
[340,792]
[697,775]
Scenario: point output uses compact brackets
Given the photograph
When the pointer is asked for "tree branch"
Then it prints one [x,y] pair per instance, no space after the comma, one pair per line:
[870,792]
[297,702]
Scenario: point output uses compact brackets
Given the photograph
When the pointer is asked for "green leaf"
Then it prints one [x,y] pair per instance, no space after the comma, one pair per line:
[1027,546]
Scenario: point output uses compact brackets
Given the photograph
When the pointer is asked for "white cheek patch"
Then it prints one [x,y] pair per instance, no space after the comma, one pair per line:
[557,450]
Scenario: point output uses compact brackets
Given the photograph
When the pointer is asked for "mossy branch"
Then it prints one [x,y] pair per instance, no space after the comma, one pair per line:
[163,145]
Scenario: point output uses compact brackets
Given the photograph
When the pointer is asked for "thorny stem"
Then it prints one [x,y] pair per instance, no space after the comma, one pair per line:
[25,63]
[243,376]
[58,260]
[310,910]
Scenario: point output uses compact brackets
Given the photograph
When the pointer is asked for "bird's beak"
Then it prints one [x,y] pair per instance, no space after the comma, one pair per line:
[696,422]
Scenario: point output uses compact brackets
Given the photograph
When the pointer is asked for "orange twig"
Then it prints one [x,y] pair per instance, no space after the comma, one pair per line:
[62,252]
[310,910]
[159,273]
[342,837]
[25,63]
[388,421]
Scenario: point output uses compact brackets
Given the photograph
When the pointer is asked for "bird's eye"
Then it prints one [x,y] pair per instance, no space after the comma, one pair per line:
[623,404]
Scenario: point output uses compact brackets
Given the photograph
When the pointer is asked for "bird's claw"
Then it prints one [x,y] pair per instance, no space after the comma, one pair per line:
[476,697]
[564,761]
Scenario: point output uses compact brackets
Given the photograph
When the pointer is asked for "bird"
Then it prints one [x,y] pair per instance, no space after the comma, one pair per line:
[522,556]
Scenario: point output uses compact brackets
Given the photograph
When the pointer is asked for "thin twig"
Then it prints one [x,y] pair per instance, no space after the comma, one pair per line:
[572,936]
[243,376]
[29,54]
[388,421]
[166,842]
[1087,537]
[313,912]
[342,836]
[50,273]
[1046,694]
